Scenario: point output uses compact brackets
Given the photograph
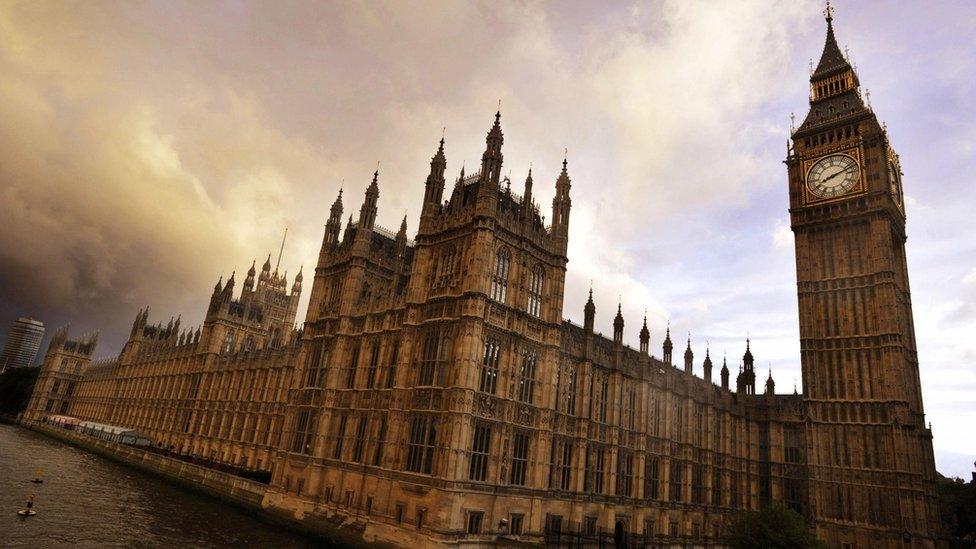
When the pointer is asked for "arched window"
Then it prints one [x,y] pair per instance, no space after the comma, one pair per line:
[229,341]
[489,367]
[534,307]
[499,276]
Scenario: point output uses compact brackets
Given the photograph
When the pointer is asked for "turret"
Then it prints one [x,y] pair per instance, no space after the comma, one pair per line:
[491,168]
[491,160]
[266,271]
[249,281]
[139,323]
[746,381]
[589,314]
[725,374]
[527,197]
[667,347]
[367,214]
[689,356]
[434,187]
[228,291]
[296,288]
[645,338]
[770,384]
[561,205]
[401,239]
[707,365]
[618,327]
[332,227]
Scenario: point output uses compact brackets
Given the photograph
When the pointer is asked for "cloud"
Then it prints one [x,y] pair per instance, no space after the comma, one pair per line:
[147,150]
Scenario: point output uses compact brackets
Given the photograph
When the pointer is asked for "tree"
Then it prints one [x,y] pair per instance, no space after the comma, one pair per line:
[16,385]
[957,502]
[774,527]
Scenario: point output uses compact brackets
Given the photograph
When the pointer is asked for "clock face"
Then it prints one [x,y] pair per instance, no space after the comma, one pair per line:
[832,176]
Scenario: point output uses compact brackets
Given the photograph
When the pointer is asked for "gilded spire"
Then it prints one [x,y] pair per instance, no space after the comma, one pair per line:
[832,57]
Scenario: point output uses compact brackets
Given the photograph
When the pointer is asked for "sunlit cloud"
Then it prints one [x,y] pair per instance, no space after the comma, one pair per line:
[149,148]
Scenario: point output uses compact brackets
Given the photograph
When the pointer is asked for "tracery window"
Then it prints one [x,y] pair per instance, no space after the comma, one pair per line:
[373,359]
[652,471]
[674,490]
[489,367]
[526,377]
[698,483]
[480,451]
[392,372]
[567,390]
[562,464]
[420,447]
[499,276]
[340,436]
[433,358]
[598,398]
[446,269]
[625,472]
[229,341]
[595,466]
[520,458]
[315,369]
[353,364]
[534,305]
[360,443]
[380,442]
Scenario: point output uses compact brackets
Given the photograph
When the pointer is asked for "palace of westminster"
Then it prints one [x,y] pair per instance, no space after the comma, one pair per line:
[435,394]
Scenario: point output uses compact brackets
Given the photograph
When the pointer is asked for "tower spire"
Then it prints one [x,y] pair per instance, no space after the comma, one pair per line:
[367,214]
[618,326]
[491,160]
[434,187]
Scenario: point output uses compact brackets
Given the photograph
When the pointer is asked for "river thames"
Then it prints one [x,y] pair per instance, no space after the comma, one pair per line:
[88,501]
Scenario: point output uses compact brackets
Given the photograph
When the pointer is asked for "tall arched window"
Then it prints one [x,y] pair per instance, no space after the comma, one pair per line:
[499,276]
[535,291]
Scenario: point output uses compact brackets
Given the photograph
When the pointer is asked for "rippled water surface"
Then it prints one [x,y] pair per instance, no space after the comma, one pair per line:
[88,501]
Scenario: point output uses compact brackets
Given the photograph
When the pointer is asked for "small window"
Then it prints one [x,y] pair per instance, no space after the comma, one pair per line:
[554,524]
[399,512]
[421,517]
[515,524]
[475,519]
[589,526]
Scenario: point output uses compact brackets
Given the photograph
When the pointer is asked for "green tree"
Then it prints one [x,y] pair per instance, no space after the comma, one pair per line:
[16,385]
[774,527]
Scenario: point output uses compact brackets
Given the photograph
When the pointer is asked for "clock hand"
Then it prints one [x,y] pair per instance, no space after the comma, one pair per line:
[829,177]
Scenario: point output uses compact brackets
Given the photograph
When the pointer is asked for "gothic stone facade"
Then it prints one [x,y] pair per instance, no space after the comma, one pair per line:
[436,395]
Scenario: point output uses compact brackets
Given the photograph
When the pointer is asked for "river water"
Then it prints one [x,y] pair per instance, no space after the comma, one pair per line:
[88,501]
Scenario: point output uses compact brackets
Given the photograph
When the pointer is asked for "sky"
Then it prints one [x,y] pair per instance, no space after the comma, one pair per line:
[149,148]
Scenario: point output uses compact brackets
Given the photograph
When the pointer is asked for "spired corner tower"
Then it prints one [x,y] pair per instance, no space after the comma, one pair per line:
[872,471]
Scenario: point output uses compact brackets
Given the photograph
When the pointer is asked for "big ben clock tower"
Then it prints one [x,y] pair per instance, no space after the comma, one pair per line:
[870,453]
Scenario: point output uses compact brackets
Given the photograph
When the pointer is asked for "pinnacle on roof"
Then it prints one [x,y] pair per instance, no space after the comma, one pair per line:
[832,58]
